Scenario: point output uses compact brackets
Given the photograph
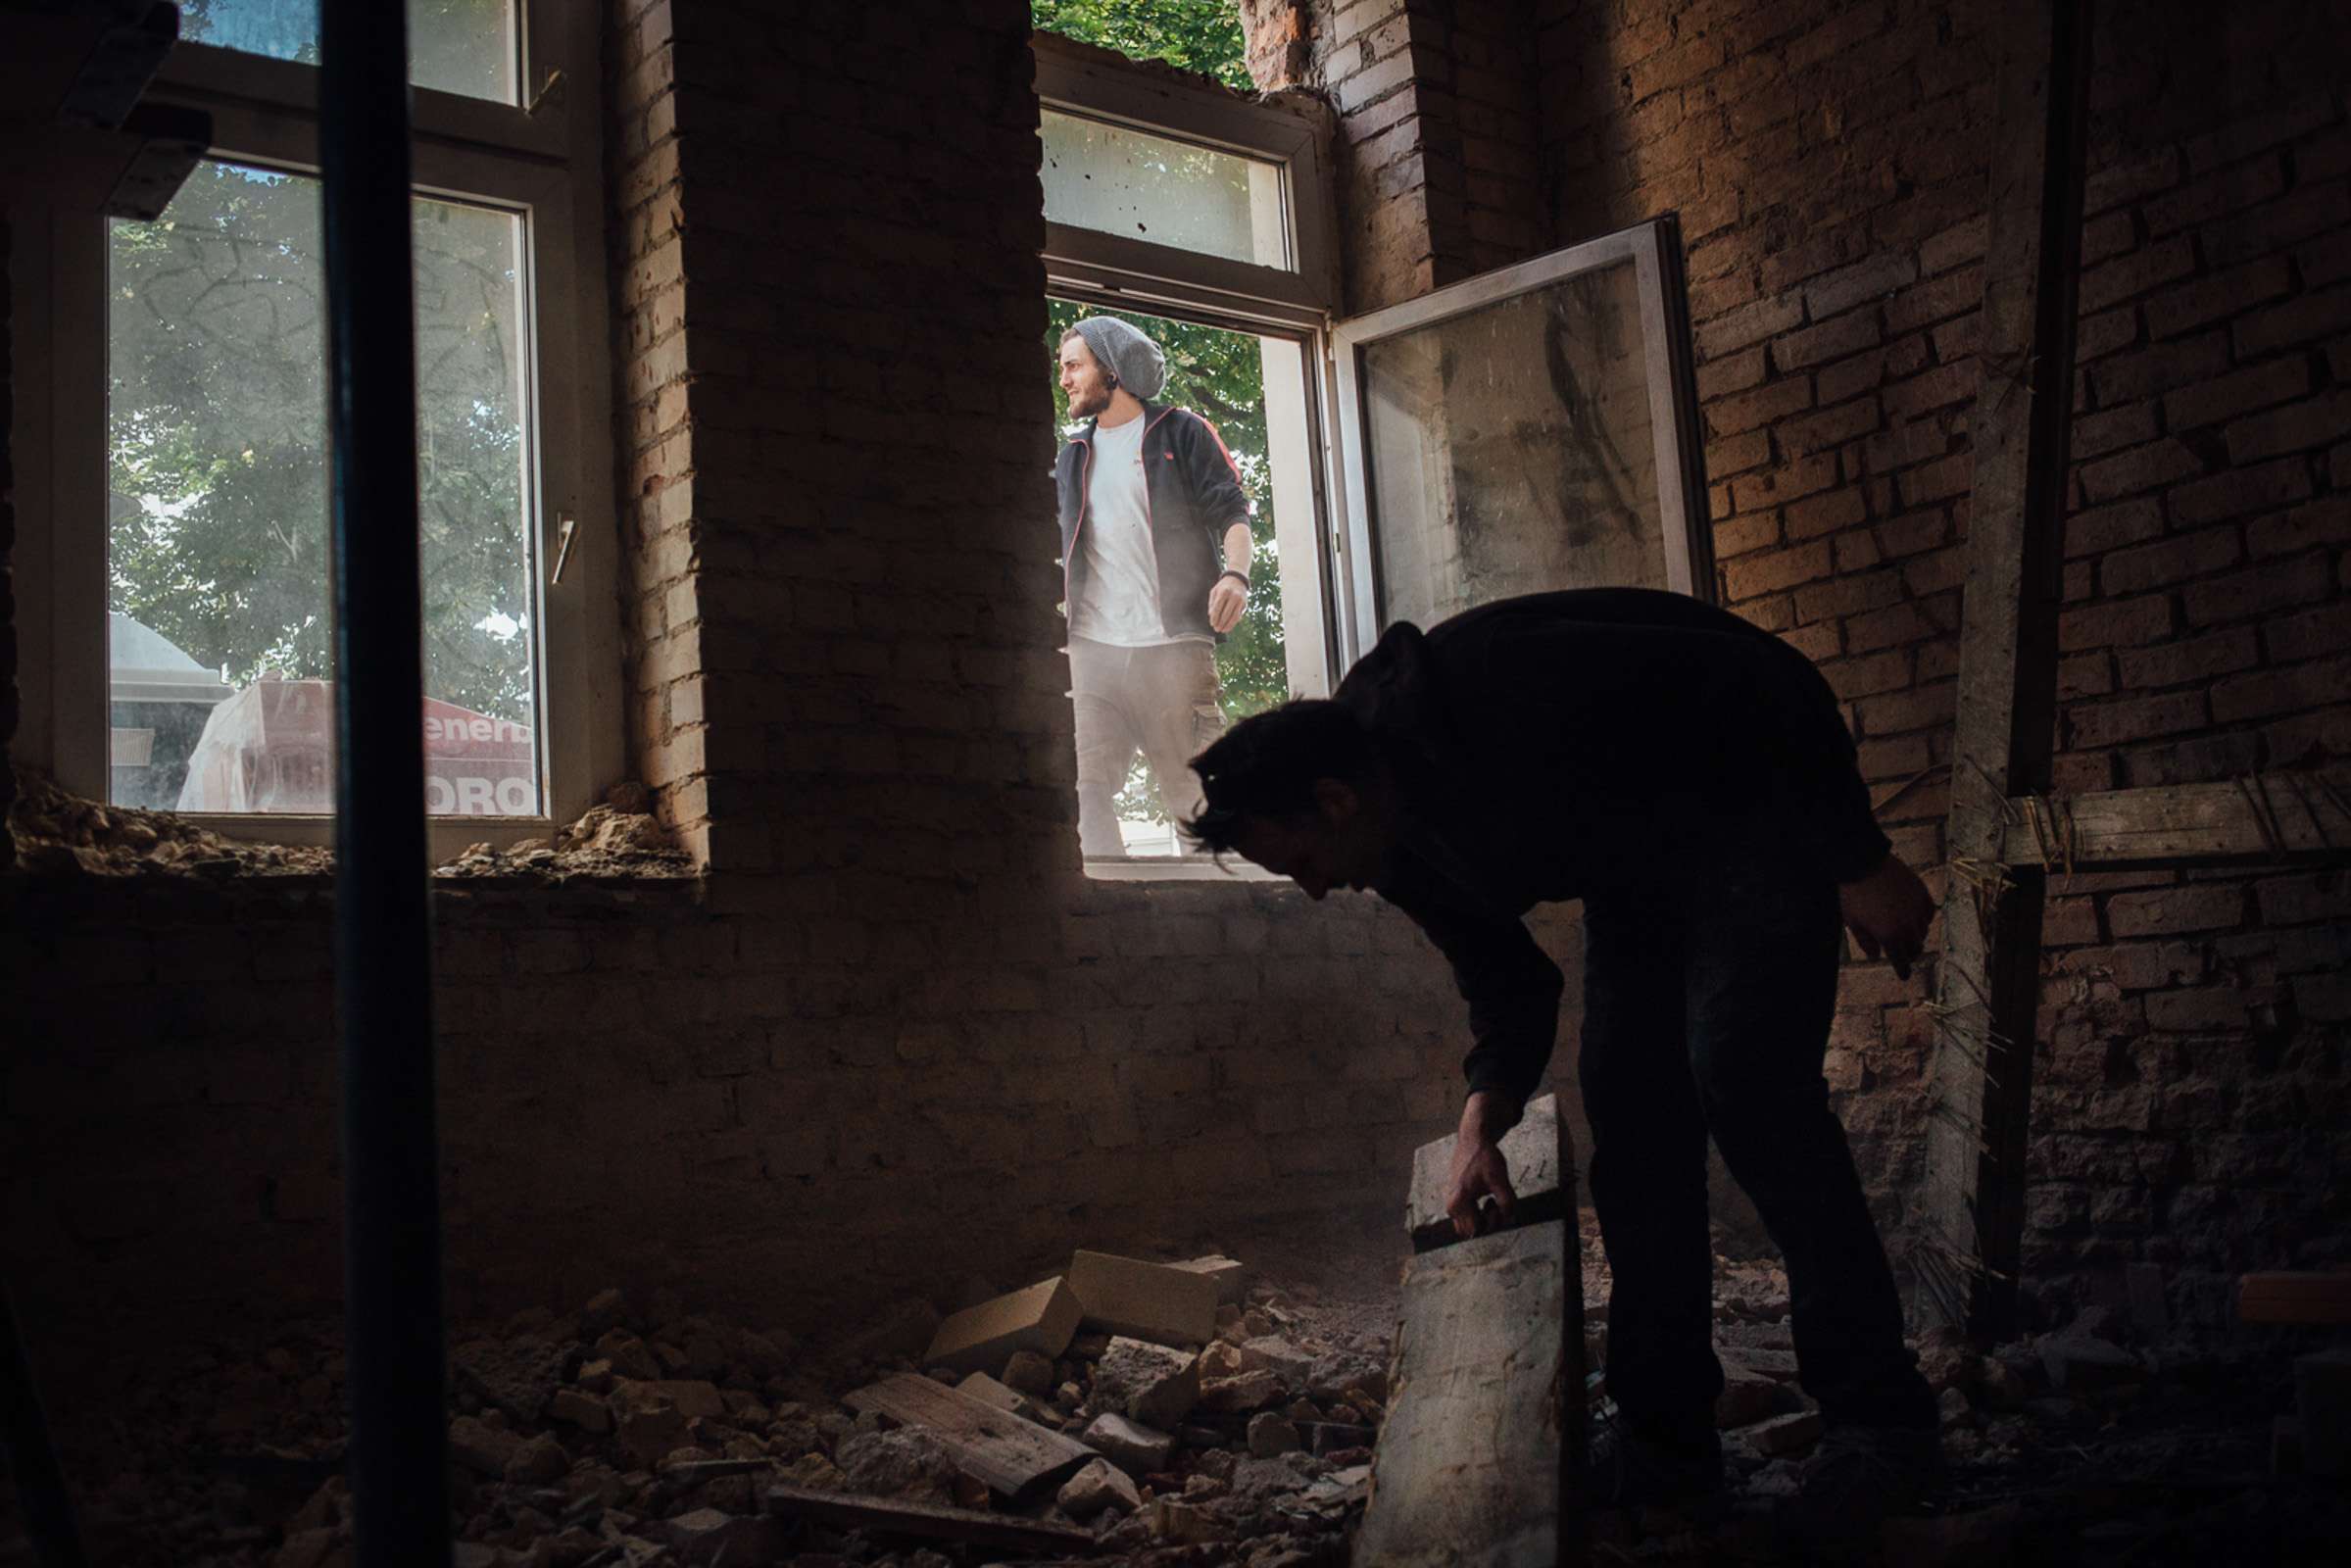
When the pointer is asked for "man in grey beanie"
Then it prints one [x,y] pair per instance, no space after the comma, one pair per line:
[1156,557]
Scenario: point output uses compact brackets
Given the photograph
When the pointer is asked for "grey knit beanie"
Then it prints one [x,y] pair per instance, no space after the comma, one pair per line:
[1126,354]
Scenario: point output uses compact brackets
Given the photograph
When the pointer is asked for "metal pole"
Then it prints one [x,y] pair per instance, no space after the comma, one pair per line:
[399,1466]
[31,1455]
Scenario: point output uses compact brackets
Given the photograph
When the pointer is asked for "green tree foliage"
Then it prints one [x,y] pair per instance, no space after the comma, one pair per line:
[217,532]
[1202,35]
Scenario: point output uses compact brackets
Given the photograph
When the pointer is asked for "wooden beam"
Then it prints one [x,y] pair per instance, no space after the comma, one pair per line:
[2265,818]
[899,1517]
[1013,1455]
[1980,1077]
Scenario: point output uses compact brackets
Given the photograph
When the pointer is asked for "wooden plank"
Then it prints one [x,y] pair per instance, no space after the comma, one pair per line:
[2295,1297]
[1466,1471]
[1979,1078]
[929,1520]
[1533,1151]
[2276,817]
[1013,1456]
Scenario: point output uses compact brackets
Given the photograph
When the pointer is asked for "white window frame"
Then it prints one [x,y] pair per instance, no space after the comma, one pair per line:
[543,162]
[1297,303]
[1654,248]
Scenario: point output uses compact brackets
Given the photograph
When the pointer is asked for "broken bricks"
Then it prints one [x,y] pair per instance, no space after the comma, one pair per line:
[1042,1318]
[1150,1383]
[1141,1301]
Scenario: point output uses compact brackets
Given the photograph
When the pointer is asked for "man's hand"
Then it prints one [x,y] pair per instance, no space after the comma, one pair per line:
[1888,910]
[1479,1169]
[1226,600]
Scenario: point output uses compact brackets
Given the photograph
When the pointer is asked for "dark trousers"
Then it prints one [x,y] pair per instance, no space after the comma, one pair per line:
[1707,999]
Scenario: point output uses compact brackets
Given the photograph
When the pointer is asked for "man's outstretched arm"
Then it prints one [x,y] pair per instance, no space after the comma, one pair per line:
[1228,596]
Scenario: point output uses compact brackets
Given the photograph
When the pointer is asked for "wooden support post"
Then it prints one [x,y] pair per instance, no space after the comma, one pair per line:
[1981,1078]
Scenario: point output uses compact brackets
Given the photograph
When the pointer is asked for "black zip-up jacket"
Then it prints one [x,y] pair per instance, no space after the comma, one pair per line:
[1193,493]
[1560,745]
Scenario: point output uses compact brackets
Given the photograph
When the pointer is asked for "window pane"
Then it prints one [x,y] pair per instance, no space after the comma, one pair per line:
[217,562]
[462,46]
[1120,181]
[1510,450]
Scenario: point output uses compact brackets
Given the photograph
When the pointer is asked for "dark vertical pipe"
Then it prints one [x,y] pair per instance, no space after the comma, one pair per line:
[48,1512]
[383,916]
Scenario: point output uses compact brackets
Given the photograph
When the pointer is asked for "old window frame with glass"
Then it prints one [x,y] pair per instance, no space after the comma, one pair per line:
[1284,294]
[1627,291]
[538,160]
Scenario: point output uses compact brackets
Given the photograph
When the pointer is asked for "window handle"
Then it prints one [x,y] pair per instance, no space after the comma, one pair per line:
[562,544]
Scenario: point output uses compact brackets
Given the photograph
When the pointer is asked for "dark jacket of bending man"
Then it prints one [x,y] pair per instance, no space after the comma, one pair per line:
[1692,781]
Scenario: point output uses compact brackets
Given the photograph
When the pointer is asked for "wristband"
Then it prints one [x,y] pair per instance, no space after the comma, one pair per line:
[1230,573]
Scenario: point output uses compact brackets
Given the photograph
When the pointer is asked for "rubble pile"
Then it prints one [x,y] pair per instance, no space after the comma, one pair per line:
[2100,1441]
[57,832]
[639,1433]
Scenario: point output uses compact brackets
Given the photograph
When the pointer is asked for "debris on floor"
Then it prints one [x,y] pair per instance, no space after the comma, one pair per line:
[633,1431]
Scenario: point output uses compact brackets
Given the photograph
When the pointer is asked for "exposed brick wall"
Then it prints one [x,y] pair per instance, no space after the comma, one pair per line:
[1828,164]
[893,1036]
[2192,1089]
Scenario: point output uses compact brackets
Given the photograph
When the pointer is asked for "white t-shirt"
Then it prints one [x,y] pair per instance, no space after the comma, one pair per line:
[1119,603]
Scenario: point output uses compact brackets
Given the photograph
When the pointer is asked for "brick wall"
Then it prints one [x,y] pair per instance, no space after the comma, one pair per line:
[892,1036]
[2192,1092]
[1827,162]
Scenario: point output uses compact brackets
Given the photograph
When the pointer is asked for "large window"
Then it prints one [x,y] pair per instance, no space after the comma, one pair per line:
[185,510]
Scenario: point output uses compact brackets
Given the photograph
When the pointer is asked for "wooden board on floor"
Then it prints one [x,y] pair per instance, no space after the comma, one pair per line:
[1014,1457]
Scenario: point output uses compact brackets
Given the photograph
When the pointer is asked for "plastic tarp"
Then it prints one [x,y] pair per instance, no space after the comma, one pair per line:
[270,748]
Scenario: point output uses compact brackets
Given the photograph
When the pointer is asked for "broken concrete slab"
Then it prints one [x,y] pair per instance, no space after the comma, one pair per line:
[1271,1434]
[575,1408]
[1784,1433]
[1029,1372]
[1099,1485]
[1231,1277]
[708,1536]
[538,1461]
[1150,1383]
[2075,1363]
[518,1376]
[1143,1300]
[1779,1365]
[1747,1398]
[482,1448]
[1271,1352]
[631,1356]
[689,1397]
[1136,1448]
[1042,1318]
[1251,1390]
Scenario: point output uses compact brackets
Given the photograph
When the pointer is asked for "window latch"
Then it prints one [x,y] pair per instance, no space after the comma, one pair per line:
[562,544]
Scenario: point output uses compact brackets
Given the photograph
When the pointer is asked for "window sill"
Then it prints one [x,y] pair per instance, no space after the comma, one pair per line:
[1176,868]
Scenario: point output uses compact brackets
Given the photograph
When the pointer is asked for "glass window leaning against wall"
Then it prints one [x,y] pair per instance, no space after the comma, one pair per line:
[216,503]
